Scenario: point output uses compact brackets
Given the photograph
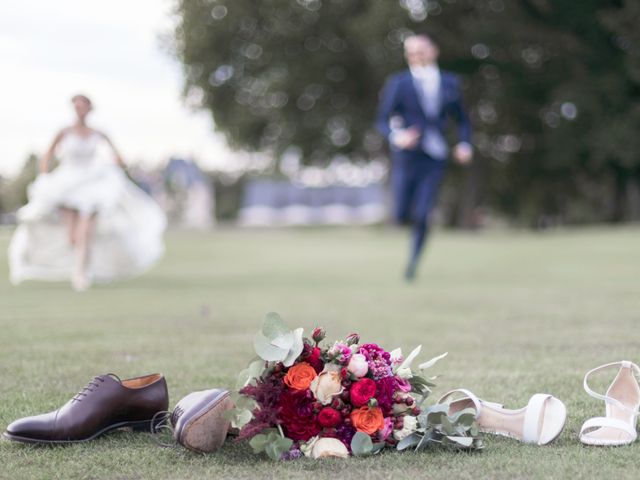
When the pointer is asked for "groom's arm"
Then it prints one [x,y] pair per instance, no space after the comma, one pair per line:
[463,151]
[459,113]
[387,106]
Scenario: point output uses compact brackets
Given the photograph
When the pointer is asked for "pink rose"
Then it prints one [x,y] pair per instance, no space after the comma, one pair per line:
[358,365]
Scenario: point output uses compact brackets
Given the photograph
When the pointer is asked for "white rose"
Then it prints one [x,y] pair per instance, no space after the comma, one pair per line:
[307,447]
[327,385]
[329,447]
[358,365]
[405,373]
[410,423]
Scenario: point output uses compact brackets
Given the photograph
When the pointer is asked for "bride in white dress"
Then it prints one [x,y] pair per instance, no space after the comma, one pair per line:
[85,220]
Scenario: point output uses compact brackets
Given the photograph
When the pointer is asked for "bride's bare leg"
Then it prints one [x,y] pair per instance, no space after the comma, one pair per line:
[70,220]
[83,236]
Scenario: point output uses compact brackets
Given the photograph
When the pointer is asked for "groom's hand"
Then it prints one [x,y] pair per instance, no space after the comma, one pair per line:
[463,153]
[405,139]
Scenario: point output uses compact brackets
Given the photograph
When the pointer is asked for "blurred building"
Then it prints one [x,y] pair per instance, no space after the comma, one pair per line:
[188,195]
[283,203]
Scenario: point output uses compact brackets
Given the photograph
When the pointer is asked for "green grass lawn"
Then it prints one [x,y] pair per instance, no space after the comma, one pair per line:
[519,313]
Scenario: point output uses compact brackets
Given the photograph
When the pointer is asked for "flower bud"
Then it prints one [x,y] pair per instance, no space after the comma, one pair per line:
[352,339]
[318,334]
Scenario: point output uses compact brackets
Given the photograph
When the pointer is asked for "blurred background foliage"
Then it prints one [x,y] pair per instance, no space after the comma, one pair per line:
[552,87]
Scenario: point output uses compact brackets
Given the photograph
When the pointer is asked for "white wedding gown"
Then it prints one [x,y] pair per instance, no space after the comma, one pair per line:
[127,237]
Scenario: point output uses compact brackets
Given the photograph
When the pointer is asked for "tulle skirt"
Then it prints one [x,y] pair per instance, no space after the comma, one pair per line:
[127,237]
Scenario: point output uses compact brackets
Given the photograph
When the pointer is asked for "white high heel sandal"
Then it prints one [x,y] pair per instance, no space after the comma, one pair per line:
[622,400]
[540,422]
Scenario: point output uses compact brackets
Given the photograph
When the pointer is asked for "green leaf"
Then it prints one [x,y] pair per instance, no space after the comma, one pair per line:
[464,417]
[266,351]
[272,451]
[296,347]
[432,362]
[377,447]
[361,445]
[409,441]
[273,326]
[465,442]
[258,443]
[407,361]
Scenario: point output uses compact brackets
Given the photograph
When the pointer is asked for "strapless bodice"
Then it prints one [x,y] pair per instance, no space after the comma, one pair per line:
[79,149]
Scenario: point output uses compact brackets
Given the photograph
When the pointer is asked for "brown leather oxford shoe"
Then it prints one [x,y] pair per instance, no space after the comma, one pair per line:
[106,403]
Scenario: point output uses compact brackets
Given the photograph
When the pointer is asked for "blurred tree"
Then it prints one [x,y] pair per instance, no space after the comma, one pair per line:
[13,194]
[552,87]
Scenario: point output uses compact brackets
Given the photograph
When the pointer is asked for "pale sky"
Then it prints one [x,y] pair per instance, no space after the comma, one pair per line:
[109,50]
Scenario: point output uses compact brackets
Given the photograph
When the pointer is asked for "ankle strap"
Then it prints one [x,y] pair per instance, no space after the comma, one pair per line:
[468,395]
[606,398]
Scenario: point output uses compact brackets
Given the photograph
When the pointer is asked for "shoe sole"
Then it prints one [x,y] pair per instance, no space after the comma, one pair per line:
[206,430]
[141,426]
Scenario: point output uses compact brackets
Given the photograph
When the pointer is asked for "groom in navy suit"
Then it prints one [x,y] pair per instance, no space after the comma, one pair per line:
[413,112]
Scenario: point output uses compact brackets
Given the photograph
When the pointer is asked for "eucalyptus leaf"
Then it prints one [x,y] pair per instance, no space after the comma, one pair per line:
[242,418]
[361,445]
[296,349]
[462,441]
[273,451]
[256,368]
[409,441]
[285,342]
[273,326]
[258,443]
[266,350]
[465,417]
[377,447]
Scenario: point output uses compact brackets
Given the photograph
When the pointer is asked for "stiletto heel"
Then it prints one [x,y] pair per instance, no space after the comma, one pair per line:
[622,400]
[540,422]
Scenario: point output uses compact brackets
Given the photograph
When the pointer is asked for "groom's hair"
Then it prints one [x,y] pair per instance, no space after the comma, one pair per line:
[82,97]
[423,36]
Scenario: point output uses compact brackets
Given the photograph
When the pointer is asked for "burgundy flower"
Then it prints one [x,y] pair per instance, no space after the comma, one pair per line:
[297,415]
[266,392]
[329,417]
[362,391]
[345,433]
[385,389]
[313,359]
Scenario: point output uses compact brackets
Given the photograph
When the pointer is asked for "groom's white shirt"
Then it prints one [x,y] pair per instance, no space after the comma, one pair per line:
[427,83]
[427,79]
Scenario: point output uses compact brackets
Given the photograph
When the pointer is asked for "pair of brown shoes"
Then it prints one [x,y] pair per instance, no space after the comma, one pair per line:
[108,403]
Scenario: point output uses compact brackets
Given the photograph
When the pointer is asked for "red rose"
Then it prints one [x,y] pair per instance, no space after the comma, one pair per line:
[328,417]
[297,416]
[362,391]
[314,359]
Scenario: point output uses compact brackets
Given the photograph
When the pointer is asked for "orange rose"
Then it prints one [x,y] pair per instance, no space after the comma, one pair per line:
[367,420]
[300,376]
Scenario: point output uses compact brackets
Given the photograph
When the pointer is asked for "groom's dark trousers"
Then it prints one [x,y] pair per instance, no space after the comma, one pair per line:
[415,174]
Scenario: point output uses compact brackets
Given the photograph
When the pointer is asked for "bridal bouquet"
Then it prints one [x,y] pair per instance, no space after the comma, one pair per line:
[301,398]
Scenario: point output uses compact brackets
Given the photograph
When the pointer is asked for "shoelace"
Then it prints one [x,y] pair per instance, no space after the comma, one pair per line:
[95,383]
[164,420]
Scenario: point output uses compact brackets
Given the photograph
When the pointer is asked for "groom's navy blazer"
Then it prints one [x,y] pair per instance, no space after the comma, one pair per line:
[400,98]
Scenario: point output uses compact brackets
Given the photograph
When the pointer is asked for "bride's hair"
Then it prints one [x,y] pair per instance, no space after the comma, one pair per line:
[79,96]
